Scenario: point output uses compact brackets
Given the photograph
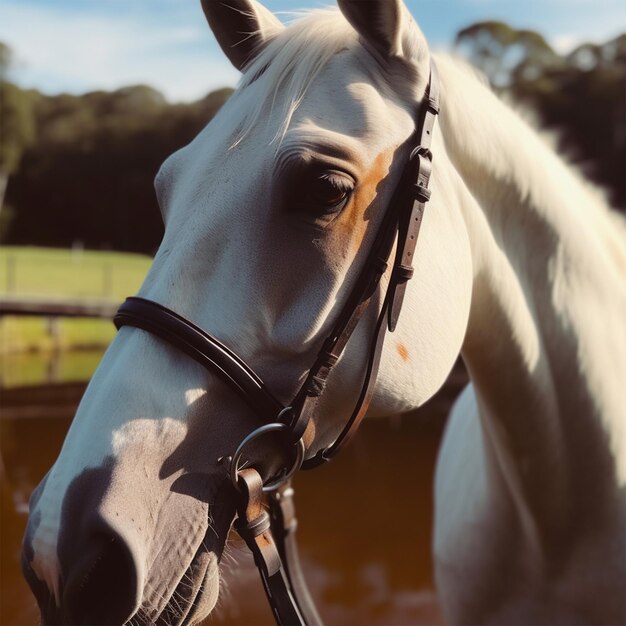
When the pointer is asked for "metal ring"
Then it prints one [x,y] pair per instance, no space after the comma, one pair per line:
[262,430]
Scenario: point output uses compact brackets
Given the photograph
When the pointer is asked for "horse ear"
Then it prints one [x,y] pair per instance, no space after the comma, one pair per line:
[241,27]
[383,24]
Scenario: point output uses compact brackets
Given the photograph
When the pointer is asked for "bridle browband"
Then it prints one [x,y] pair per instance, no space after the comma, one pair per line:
[271,537]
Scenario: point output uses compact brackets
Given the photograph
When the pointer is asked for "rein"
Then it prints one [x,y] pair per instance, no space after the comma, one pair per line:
[271,535]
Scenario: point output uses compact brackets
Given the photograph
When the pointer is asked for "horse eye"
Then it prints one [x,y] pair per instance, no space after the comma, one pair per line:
[328,191]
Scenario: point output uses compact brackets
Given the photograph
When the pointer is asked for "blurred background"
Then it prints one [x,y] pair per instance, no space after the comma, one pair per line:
[93,97]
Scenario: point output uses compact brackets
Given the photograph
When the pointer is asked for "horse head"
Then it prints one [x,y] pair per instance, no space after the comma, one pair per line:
[269,215]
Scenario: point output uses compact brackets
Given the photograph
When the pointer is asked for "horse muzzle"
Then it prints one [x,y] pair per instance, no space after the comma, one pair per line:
[123,554]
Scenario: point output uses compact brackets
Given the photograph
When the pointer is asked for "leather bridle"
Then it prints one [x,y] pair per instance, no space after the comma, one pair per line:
[271,537]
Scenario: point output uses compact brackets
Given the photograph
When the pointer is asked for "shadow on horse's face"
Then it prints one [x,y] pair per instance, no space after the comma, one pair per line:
[264,238]
[133,517]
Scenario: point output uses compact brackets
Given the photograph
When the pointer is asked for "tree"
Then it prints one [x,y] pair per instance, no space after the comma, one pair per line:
[17,123]
[503,53]
[90,175]
[581,95]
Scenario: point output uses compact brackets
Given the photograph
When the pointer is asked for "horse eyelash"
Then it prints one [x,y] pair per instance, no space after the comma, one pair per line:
[339,181]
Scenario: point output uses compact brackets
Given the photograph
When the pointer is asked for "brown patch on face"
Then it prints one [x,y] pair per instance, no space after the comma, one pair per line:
[354,219]
[402,351]
[309,434]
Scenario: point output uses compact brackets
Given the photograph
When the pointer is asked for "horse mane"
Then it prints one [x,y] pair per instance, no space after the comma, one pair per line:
[505,153]
[292,61]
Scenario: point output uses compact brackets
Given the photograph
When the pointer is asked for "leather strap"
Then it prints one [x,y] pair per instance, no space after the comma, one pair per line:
[202,348]
[420,195]
[403,221]
[284,525]
[365,397]
[253,525]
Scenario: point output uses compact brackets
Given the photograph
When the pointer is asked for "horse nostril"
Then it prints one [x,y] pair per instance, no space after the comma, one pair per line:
[106,564]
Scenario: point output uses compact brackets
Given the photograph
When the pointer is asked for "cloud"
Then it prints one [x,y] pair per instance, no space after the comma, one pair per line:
[80,45]
[58,50]
[564,44]
[567,42]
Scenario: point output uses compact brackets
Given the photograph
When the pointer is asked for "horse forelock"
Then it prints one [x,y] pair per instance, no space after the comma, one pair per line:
[292,61]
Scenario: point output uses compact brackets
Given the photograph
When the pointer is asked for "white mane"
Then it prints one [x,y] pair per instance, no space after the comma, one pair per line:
[546,350]
[529,122]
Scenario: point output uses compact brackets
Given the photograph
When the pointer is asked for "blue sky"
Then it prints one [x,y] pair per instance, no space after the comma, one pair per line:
[81,45]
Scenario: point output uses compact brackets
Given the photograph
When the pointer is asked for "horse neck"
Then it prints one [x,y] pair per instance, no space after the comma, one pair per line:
[546,344]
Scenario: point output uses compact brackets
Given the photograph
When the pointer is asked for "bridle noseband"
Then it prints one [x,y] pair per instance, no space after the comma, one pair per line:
[271,536]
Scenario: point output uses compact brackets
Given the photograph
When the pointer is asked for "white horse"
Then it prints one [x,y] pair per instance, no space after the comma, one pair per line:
[269,214]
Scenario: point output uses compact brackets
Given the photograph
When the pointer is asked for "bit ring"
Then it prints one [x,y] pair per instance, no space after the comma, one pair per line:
[262,430]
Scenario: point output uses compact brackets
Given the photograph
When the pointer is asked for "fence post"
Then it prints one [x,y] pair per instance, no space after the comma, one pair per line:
[54,332]
[107,280]
[11,273]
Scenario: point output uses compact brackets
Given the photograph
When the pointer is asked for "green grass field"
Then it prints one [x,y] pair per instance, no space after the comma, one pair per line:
[73,274]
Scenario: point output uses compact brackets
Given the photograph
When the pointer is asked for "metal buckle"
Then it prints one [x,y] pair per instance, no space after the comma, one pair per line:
[262,430]
[421,151]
